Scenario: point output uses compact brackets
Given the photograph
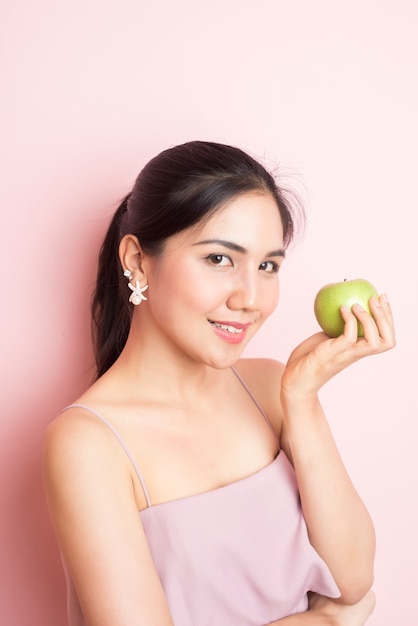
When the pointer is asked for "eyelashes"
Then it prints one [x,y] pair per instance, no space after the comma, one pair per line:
[223,260]
[220,260]
[271,267]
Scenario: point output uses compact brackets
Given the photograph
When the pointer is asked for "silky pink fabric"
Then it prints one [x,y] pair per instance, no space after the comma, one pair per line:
[238,555]
[235,556]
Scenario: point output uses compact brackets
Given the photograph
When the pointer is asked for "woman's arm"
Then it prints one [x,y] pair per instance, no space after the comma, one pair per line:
[326,612]
[339,525]
[92,505]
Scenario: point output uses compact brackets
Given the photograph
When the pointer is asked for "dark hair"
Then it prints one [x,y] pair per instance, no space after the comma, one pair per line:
[177,189]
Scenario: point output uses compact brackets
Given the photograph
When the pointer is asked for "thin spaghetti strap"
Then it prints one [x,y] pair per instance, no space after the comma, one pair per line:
[122,443]
[256,402]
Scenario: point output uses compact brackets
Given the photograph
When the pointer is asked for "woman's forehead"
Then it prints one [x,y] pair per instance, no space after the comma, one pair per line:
[247,212]
[248,220]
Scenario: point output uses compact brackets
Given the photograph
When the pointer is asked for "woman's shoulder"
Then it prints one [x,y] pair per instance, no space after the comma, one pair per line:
[265,369]
[78,421]
[263,377]
[70,421]
[76,438]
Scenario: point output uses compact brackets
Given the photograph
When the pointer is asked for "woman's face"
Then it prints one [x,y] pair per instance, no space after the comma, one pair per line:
[213,286]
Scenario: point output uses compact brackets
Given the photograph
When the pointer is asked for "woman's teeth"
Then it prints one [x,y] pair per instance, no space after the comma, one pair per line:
[230,329]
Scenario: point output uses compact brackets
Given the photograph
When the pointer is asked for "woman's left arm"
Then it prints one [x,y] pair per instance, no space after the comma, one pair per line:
[338,523]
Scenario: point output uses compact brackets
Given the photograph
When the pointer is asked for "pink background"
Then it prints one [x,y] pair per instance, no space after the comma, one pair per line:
[91,89]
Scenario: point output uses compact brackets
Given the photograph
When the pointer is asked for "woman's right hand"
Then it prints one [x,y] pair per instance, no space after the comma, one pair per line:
[319,358]
[326,612]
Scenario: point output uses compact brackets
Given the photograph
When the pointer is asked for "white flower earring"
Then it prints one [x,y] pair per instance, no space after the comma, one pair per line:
[137,295]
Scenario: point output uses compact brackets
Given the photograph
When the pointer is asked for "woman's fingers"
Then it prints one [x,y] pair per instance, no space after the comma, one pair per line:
[319,358]
[379,333]
[350,323]
[386,324]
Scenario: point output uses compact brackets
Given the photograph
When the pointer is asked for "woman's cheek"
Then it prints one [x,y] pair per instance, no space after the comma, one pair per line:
[271,300]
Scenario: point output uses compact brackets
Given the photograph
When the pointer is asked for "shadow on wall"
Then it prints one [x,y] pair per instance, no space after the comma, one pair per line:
[34,576]
[54,370]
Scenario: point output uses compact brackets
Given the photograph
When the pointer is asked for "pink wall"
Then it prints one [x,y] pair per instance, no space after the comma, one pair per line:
[90,90]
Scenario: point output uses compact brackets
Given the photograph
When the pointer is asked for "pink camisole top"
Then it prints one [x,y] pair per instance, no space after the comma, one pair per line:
[238,555]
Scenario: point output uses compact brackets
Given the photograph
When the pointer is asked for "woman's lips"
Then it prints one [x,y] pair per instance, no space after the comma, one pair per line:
[231,332]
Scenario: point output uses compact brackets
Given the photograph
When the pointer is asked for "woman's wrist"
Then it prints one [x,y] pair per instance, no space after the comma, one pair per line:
[298,406]
[299,389]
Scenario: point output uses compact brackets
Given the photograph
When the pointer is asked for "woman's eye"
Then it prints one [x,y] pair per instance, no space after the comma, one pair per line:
[270,267]
[221,260]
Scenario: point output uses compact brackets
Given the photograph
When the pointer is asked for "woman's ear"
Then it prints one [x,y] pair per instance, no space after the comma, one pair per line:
[132,257]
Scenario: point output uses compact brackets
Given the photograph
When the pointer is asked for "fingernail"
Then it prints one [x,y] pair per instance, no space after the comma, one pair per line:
[358,307]
[375,301]
[385,298]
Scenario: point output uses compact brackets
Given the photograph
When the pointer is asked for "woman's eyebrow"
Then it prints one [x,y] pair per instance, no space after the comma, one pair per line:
[236,247]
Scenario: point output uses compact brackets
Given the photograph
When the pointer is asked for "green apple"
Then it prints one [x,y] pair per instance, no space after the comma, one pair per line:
[332,297]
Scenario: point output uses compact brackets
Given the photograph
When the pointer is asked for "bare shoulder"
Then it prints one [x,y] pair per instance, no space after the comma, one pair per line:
[263,378]
[73,431]
[92,505]
[267,370]
[78,446]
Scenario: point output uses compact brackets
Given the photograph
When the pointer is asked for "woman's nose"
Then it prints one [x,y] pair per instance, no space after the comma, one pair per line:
[245,294]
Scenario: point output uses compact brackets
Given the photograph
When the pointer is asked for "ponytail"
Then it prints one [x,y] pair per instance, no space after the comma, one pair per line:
[111,315]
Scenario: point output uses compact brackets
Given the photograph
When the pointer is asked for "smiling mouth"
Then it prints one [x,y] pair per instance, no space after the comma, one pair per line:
[230,329]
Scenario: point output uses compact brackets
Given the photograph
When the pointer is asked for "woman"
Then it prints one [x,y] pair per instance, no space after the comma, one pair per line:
[214,451]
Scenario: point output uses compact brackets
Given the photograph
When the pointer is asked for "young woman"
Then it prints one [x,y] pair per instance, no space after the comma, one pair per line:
[188,486]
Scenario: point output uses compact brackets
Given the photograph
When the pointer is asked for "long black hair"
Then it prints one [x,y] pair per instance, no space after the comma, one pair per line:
[177,189]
